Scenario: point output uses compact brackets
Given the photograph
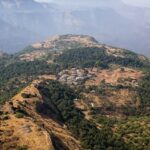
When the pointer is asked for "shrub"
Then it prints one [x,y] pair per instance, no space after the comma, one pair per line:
[5,117]
[24,147]
[25,95]
[19,115]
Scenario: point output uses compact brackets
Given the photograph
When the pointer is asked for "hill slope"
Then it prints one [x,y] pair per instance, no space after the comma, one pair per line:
[71,92]
[26,104]
[53,112]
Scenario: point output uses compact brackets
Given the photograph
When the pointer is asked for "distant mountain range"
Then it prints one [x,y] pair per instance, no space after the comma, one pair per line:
[23,22]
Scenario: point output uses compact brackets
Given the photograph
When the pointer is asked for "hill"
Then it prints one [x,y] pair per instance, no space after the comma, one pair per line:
[59,53]
[65,42]
[71,92]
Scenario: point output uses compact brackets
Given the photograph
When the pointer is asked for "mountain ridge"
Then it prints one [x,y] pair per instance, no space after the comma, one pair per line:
[70,41]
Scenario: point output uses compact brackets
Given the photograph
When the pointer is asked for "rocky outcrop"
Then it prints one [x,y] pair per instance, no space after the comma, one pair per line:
[60,42]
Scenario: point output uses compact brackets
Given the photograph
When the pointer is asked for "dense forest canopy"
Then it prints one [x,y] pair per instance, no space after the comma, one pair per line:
[90,57]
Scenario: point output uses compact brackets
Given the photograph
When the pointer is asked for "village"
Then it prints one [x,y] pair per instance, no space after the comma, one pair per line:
[74,76]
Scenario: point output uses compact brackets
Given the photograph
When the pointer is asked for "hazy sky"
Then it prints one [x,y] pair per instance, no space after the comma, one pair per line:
[142,3]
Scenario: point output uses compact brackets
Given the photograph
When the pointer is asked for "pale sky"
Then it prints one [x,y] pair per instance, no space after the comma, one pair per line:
[141,3]
[145,3]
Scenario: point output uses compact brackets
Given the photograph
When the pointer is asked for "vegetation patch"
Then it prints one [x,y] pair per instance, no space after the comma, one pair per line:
[26,95]
[24,147]
[91,137]
[19,115]
[96,57]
